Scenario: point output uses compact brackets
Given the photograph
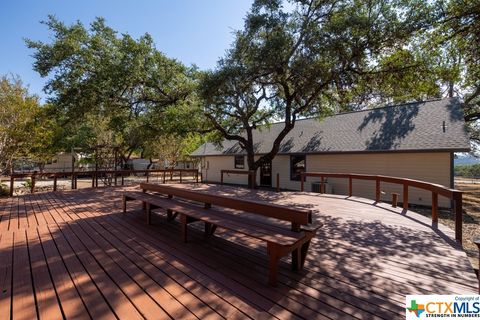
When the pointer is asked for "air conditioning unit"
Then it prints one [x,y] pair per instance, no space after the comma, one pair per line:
[316,187]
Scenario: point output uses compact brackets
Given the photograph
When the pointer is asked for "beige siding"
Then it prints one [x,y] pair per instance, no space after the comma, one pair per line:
[430,167]
[212,165]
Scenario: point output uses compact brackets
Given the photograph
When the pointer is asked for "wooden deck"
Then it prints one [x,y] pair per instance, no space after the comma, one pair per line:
[75,255]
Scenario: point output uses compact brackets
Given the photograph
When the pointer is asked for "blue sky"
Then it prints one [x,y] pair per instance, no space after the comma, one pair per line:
[192,31]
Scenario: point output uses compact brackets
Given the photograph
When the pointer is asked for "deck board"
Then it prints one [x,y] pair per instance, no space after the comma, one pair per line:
[6,271]
[23,304]
[46,297]
[74,254]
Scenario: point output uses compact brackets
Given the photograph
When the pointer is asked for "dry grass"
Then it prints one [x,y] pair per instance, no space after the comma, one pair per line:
[471,217]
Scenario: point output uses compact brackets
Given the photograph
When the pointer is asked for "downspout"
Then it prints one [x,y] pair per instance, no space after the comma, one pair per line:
[452,176]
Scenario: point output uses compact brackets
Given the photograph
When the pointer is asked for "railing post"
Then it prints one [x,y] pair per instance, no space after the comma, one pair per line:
[123,179]
[93,179]
[164,173]
[72,185]
[55,183]
[32,187]
[196,176]
[278,182]
[12,183]
[434,208]
[350,186]
[405,196]
[457,197]
[394,200]
[180,176]
[477,242]
[115,177]
[377,189]
[302,181]
[147,175]
[221,176]
[322,184]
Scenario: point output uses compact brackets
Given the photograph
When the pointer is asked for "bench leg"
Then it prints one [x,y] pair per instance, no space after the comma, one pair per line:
[171,215]
[183,221]
[124,204]
[304,251]
[148,211]
[210,229]
[273,257]
[296,259]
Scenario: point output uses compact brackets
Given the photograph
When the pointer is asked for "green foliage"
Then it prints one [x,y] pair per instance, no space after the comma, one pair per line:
[311,58]
[110,89]
[170,149]
[4,191]
[25,129]
[468,171]
[28,183]
[441,60]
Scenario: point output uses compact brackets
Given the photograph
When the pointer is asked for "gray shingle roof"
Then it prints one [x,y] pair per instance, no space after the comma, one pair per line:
[415,126]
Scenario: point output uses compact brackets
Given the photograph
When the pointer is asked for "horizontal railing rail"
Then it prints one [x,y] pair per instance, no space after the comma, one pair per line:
[436,190]
[98,174]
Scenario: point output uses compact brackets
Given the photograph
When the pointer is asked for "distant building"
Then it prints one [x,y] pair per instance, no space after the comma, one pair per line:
[62,162]
[415,140]
[138,163]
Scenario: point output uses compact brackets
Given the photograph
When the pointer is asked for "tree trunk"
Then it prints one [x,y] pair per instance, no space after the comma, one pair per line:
[450,89]
[252,166]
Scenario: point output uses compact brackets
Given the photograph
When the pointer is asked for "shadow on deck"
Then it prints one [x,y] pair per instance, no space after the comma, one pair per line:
[74,254]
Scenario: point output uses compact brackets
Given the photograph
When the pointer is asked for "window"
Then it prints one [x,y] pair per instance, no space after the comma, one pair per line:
[239,162]
[297,166]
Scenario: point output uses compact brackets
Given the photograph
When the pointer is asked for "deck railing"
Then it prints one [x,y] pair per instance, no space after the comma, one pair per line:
[114,175]
[435,189]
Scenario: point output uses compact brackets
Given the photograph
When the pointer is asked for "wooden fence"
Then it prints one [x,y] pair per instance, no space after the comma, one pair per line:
[114,175]
[435,189]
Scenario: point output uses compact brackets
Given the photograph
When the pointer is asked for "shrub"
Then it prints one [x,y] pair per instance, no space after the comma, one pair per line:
[4,191]
[27,184]
[468,171]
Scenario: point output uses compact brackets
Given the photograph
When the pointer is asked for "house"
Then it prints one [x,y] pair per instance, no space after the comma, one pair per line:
[415,140]
[138,163]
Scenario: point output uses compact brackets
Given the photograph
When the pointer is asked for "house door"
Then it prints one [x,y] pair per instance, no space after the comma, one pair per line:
[266,174]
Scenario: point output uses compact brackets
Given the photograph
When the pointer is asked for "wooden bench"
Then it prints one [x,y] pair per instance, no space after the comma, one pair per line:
[234,215]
